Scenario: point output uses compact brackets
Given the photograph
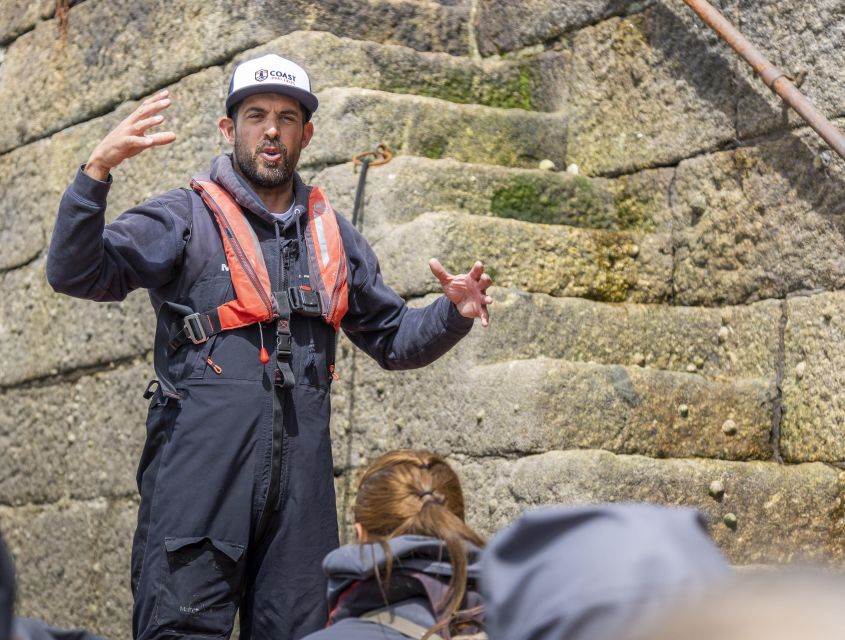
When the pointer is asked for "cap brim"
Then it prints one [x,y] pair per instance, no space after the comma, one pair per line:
[308,99]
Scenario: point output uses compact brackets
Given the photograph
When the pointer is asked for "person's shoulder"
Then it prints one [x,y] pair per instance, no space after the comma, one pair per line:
[179,202]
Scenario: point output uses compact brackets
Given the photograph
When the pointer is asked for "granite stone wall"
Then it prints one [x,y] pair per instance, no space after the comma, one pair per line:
[669,312]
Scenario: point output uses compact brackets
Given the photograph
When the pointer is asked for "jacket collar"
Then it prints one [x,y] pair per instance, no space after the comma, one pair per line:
[224,174]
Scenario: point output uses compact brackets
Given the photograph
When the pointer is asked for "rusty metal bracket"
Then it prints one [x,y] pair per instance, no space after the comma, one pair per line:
[774,78]
[381,155]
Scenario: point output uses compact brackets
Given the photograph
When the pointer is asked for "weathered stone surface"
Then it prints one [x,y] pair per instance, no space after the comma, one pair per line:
[33,177]
[561,261]
[94,69]
[795,37]
[503,25]
[531,406]
[784,513]
[18,16]
[764,221]
[353,120]
[814,379]
[73,439]
[72,561]
[535,82]
[43,333]
[398,192]
[648,89]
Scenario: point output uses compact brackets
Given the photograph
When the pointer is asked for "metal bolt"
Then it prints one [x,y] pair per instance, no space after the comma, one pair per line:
[639,359]
[479,417]
[493,505]
[547,165]
[799,369]
[683,410]
[724,332]
[716,490]
[729,428]
[729,520]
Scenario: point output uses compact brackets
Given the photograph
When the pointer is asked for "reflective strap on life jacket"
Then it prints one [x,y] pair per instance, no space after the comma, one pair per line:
[253,301]
[327,258]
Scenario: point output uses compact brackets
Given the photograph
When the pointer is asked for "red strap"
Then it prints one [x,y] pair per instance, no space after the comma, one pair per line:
[253,301]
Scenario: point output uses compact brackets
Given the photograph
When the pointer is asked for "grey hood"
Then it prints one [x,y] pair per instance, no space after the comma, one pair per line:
[590,573]
[354,562]
[223,173]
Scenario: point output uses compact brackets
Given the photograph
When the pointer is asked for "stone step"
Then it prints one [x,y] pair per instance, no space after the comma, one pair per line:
[72,563]
[353,120]
[784,513]
[530,406]
[19,16]
[79,93]
[398,192]
[610,266]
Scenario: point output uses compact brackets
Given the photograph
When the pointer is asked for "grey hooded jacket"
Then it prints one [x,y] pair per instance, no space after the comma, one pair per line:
[594,572]
[353,589]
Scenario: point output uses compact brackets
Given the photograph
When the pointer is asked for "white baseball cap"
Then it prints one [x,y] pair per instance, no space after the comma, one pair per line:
[271,74]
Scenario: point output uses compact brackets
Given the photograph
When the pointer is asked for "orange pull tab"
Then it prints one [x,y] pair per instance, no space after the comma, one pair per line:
[263,356]
[333,373]
[217,368]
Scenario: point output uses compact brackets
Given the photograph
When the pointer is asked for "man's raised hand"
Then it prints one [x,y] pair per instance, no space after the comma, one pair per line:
[467,291]
[130,137]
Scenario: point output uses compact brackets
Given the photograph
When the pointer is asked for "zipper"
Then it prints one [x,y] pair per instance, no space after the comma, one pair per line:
[217,368]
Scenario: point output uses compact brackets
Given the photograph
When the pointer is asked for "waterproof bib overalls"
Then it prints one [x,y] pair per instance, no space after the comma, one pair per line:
[266,488]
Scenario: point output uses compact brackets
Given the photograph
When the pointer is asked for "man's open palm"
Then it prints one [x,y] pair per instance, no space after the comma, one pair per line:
[467,291]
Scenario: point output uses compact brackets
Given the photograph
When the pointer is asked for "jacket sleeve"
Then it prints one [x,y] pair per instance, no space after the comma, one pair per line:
[381,324]
[142,248]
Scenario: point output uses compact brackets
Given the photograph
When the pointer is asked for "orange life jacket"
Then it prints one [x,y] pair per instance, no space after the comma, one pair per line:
[254,301]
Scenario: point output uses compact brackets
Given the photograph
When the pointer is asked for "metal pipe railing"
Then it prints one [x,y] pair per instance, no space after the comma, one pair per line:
[773,77]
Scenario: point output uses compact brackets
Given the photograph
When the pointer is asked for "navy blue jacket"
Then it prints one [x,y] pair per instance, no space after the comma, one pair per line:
[595,572]
[353,589]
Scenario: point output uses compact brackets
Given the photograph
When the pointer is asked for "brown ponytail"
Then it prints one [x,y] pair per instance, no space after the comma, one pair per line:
[417,492]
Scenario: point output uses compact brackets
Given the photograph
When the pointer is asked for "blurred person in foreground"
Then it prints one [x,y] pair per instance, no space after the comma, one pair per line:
[775,604]
[13,628]
[414,570]
[595,572]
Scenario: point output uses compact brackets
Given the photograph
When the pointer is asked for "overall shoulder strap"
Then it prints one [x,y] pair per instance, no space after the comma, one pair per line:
[388,618]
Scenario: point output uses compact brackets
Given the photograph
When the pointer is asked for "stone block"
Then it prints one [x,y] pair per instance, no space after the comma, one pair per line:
[78,439]
[43,333]
[19,16]
[531,406]
[797,38]
[763,222]
[94,69]
[350,121]
[562,261]
[649,89]
[72,561]
[502,25]
[532,83]
[813,425]
[784,513]
[398,192]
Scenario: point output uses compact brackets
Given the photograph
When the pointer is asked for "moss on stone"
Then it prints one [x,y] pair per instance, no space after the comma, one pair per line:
[434,148]
[617,272]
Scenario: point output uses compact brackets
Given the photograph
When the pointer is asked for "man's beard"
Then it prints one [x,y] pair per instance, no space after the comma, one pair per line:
[266,176]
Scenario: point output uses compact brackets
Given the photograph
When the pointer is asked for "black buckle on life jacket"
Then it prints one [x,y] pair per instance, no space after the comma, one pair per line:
[304,301]
[194,330]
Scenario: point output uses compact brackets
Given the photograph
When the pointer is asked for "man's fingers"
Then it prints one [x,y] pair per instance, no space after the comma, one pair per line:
[487,300]
[164,137]
[149,109]
[485,316]
[485,281]
[142,125]
[477,270]
[439,272]
[158,96]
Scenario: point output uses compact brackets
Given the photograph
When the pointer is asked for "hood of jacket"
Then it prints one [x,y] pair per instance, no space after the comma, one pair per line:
[592,572]
[355,562]
[223,173]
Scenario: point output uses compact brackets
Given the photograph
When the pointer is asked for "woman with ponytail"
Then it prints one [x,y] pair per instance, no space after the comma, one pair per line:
[413,572]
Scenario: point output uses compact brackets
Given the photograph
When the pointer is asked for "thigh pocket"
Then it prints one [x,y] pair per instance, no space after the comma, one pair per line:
[200,585]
